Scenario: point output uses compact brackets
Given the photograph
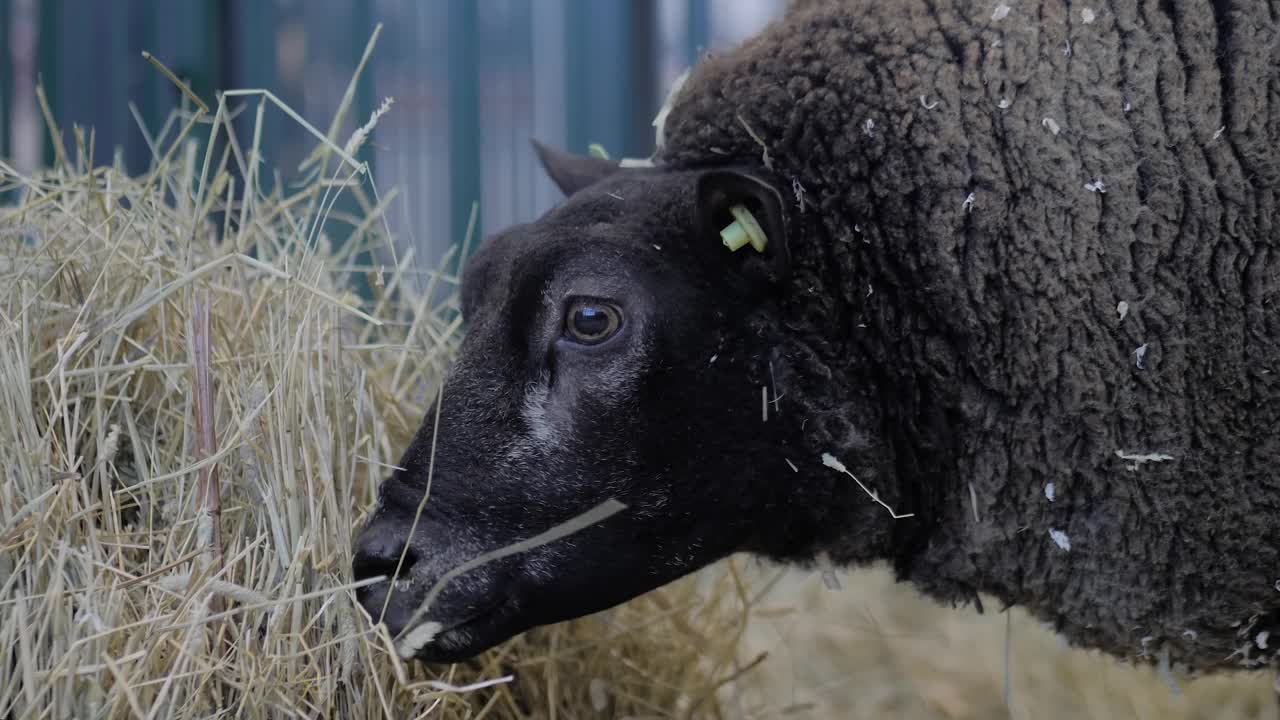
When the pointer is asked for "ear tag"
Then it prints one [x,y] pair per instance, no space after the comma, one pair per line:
[743,230]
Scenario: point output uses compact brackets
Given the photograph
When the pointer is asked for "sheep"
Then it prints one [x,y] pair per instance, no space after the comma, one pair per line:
[1014,331]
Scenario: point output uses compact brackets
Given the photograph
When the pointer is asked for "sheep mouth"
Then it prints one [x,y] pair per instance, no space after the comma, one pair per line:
[433,642]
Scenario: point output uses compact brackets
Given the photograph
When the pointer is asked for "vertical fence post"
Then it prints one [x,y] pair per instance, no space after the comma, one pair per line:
[147,87]
[464,120]
[365,101]
[362,104]
[116,127]
[6,79]
[576,106]
[47,54]
[610,92]
[252,29]
[697,30]
[642,27]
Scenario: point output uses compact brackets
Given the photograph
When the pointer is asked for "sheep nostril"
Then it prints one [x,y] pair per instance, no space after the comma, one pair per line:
[382,558]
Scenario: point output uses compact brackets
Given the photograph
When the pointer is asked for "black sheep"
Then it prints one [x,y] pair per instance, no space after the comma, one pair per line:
[1015,330]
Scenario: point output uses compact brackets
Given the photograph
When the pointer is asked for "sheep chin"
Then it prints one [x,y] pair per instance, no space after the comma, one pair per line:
[416,639]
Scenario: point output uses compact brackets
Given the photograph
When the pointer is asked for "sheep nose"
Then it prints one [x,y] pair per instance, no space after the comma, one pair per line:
[378,552]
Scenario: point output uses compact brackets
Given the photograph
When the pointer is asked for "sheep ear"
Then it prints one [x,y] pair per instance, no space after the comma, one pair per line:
[720,190]
[572,172]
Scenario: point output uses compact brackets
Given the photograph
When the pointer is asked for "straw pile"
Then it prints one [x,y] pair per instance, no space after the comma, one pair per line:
[196,407]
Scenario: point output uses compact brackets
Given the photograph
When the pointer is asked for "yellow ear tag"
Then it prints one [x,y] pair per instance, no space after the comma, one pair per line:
[743,230]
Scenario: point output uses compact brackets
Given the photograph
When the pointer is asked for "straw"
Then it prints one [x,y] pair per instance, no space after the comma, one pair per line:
[196,408]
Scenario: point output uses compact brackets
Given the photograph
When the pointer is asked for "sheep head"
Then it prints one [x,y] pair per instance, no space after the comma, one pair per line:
[614,349]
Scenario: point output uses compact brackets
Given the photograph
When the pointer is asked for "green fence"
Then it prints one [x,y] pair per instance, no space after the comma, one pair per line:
[6,80]
[473,80]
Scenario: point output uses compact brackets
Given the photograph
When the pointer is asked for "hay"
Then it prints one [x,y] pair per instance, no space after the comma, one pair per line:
[196,407]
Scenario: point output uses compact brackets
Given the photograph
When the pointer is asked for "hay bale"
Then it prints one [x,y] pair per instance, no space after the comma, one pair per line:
[196,407]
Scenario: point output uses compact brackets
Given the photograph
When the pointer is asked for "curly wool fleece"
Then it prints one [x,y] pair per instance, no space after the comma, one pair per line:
[1042,238]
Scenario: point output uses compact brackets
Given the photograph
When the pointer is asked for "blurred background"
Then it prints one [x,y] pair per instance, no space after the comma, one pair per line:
[473,81]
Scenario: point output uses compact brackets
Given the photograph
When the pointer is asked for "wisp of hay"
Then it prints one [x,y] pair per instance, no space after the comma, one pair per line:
[196,406]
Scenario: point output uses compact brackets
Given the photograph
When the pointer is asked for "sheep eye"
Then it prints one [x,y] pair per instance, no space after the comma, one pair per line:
[592,322]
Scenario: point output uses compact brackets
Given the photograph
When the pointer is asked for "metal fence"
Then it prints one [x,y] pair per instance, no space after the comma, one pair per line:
[473,81]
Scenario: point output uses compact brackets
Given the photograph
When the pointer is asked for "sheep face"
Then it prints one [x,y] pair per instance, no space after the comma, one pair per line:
[609,353]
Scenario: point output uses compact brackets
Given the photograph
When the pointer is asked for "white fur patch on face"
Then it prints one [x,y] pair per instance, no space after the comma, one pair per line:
[534,412]
[417,638]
